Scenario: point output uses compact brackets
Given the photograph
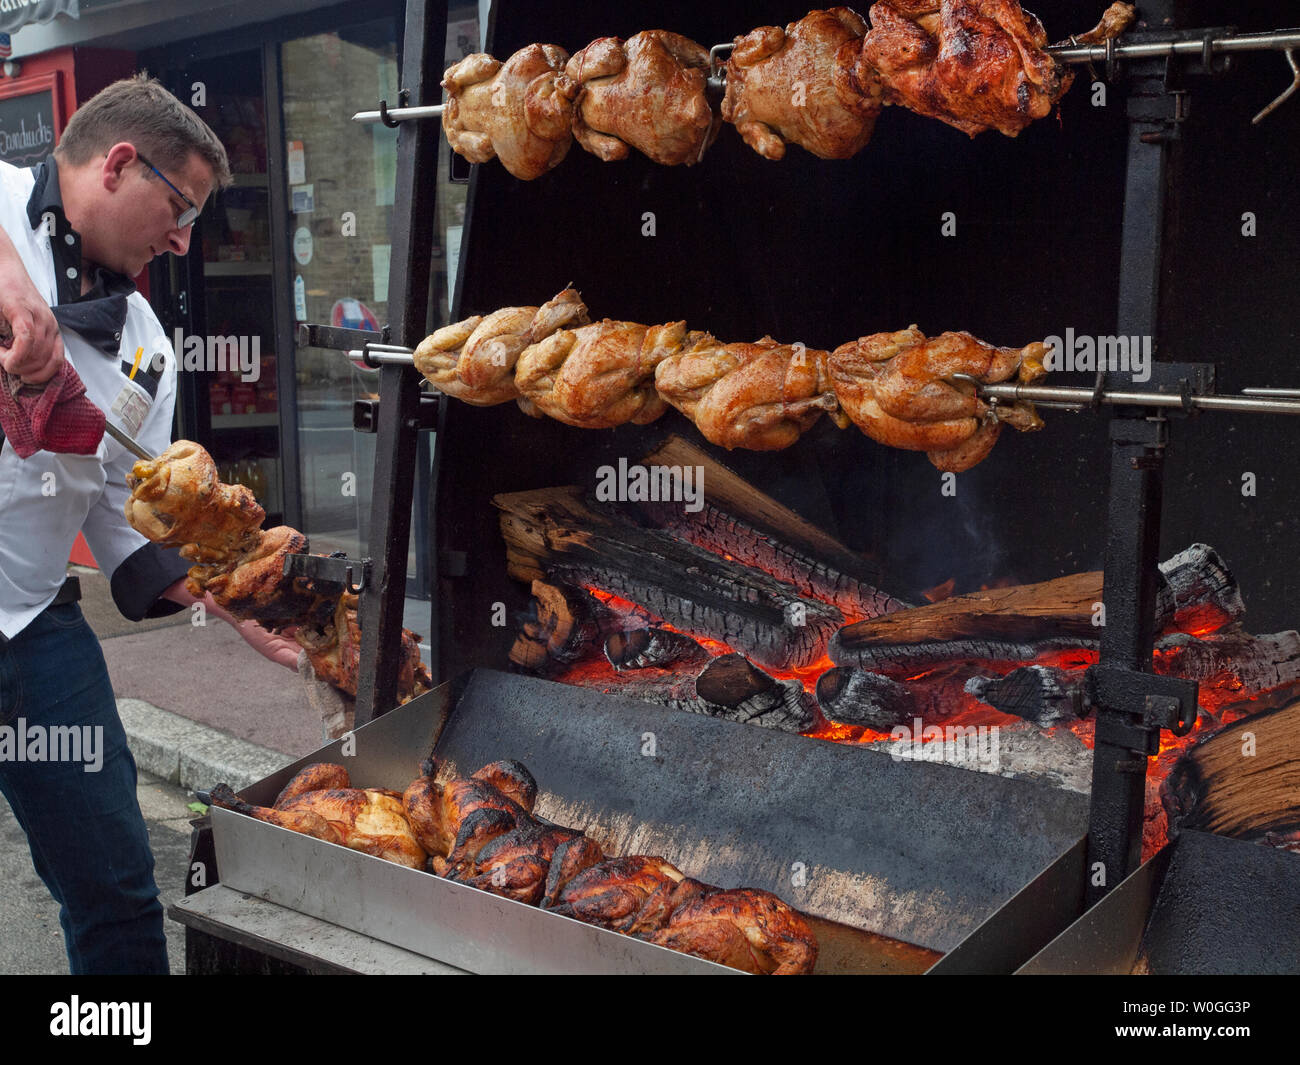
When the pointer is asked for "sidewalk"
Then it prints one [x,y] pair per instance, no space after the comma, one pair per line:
[199,705]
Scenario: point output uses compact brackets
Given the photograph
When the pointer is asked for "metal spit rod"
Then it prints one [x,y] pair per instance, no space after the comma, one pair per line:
[1254,400]
[1108,51]
[394,353]
[1116,48]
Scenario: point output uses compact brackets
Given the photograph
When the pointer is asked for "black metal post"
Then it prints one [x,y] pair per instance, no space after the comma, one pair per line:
[1131,703]
[399,386]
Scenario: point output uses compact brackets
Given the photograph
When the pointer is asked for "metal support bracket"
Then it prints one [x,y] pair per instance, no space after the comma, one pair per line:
[1153,702]
[365,414]
[331,569]
[335,339]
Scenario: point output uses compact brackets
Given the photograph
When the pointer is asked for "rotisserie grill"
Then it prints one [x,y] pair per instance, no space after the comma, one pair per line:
[939,707]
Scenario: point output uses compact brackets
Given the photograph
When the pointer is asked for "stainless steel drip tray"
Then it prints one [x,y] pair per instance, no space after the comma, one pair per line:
[917,852]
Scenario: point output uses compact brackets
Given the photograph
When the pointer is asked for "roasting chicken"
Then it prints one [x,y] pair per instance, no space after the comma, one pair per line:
[899,389]
[319,776]
[628,895]
[256,589]
[645,93]
[746,928]
[454,821]
[517,863]
[178,500]
[572,857]
[335,652]
[474,360]
[799,86]
[602,375]
[370,820]
[509,110]
[974,64]
[760,396]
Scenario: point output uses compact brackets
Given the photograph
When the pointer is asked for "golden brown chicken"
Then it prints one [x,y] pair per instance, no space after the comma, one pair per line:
[798,86]
[319,776]
[647,92]
[899,389]
[474,360]
[335,652]
[760,396]
[745,928]
[370,820]
[974,64]
[509,110]
[178,500]
[602,375]
[255,588]
[629,895]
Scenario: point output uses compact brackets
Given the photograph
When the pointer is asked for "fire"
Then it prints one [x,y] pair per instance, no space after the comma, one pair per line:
[941,699]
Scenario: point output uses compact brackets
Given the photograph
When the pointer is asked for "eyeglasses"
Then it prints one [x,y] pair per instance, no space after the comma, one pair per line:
[187,217]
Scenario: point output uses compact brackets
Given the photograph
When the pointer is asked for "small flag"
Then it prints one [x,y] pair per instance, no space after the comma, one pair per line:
[6,46]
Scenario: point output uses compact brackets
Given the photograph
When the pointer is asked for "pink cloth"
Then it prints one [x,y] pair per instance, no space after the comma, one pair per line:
[55,416]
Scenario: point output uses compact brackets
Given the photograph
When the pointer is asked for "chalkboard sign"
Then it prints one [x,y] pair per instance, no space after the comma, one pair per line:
[27,129]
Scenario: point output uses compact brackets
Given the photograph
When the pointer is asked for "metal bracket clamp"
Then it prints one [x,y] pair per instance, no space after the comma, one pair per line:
[336,339]
[365,414]
[1153,702]
[332,569]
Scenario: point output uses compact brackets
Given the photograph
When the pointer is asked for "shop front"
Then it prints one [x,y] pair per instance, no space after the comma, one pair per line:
[302,235]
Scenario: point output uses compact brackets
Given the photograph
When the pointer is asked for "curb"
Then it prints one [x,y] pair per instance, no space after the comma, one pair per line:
[191,755]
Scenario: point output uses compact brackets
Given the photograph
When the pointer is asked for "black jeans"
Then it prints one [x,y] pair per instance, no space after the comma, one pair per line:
[67,772]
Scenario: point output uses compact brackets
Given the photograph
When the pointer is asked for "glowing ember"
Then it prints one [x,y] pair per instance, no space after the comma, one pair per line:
[941,699]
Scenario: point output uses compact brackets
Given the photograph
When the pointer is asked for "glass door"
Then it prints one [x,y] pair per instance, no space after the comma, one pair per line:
[339,183]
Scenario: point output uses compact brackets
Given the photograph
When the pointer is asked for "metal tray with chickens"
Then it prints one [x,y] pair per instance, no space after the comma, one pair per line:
[893,864]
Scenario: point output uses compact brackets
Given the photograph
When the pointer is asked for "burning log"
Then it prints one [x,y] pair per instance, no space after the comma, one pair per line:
[1046,695]
[555,534]
[732,687]
[856,697]
[729,687]
[654,647]
[1257,662]
[1242,781]
[719,532]
[571,624]
[1020,623]
[1040,694]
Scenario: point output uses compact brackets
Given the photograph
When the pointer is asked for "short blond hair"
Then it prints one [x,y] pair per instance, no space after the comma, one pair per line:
[139,110]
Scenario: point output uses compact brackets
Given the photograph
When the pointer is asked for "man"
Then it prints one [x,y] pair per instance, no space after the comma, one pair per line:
[131,172]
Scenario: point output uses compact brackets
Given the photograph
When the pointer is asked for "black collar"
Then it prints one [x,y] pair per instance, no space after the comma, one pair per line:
[99,314]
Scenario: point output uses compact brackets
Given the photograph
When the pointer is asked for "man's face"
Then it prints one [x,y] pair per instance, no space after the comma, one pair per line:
[143,222]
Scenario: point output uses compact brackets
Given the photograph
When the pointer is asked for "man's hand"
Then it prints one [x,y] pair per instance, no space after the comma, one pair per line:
[279,649]
[34,348]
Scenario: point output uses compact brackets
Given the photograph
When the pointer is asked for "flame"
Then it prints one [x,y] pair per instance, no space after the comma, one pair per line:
[941,699]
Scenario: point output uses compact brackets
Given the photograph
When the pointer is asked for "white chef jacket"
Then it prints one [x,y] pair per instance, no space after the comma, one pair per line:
[45,500]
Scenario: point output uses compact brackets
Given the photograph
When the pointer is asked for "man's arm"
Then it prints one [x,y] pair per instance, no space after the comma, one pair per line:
[35,351]
[279,649]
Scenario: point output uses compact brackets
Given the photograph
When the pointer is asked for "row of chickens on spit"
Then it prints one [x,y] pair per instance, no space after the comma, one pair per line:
[482,831]
[820,83]
[901,389]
